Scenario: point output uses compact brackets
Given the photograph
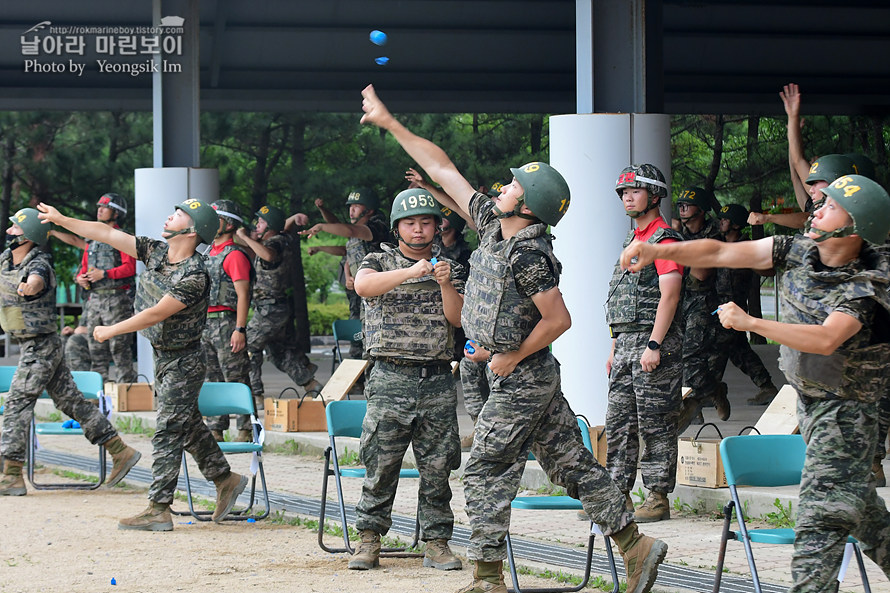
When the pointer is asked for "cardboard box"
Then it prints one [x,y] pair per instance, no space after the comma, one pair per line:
[281,414]
[598,439]
[131,397]
[311,417]
[699,463]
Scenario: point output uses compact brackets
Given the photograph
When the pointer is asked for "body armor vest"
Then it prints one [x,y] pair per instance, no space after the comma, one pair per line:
[273,279]
[494,313]
[222,288]
[857,369]
[32,316]
[711,230]
[181,329]
[102,256]
[357,249]
[633,298]
[408,322]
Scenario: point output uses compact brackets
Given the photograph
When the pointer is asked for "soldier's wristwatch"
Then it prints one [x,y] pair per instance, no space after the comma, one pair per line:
[241,329]
[653,345]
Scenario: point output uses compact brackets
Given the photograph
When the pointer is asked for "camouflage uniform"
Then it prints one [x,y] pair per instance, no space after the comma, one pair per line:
[77,352]
[179,367]
[272,325]
[642,405]
[700,334]
[836,409]
[735,285]
[109,302]
[356,250]
[525,410]
[31,321]
[411,399]
[222,364]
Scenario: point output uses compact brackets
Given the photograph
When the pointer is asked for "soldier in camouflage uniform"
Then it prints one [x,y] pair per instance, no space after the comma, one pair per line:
[28,314]
[225,334]
[171,309]
[365,232]
[410,308]
[834,293]
[699,301]
[272,326]
[514,310]
[645,366]
[735,285]
[108,276]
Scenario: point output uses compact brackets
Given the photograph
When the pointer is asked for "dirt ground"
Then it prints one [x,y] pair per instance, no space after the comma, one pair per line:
[57,541]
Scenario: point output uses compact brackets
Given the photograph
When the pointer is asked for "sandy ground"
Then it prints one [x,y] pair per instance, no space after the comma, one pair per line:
[68,541]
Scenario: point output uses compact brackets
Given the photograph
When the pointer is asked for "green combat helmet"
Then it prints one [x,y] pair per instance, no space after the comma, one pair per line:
[698,196]
[413,202]
[363,195]
[495,189]
[273,216]
[456,221]
[229,211]
[116,203]
[32,228]
[735,213]
[862,164]
[646,177]
[830,167]
[205,222]
[546,192]
[868,205]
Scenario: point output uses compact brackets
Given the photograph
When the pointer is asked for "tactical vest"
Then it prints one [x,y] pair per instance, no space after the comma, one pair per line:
[274,279]
[27,317]
[101,256]
[710,230]
[408,322]
[856,370]
[494,313]
[222,288]
[357,249]
[633,298]
[182,329]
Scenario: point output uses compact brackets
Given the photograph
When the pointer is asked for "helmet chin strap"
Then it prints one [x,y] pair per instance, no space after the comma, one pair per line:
[412,245]
[823,235]
[171,234]
[16,241]
[653,202]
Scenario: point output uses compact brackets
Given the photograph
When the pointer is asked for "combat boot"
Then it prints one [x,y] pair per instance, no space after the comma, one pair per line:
[488,577]
[228,489]
[244,436]
[312,388]
[628,503]
[721,402]
[155,518]
[655,508]
[12,483]
[690,410]
[218,436]
[764,397]
[642,555]
[367,555]
[123,459]
[438,555]
[877,468]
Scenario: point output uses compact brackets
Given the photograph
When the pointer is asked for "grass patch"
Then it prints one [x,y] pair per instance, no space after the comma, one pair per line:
[782,517]
[349,458]
[132,425]
[288,447]
[335,530]
[595,582]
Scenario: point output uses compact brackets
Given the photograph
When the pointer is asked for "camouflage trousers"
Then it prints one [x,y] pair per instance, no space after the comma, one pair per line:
[474,383]
[404,409]
[179,375]
[526,411]
[272,329]
[77,352]
[733,346]
[41,366]
[883,425]
[644,407]
[837,492]
[223,365]
[356,347]
[700,335]
[108,308]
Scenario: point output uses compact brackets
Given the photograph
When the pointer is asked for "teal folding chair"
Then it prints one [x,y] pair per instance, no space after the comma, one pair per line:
[6,373]
[344,329]
[90,384]
[561,503]
[767,460]
[345,419]
[220,399]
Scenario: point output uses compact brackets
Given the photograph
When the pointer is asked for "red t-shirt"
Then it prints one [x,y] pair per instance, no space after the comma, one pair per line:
[662,266]
[236,266]
[127,268]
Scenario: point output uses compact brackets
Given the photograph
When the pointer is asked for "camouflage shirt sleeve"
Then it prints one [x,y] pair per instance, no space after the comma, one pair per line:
[533,272]
[146,247]
[480,212]
[191,290]
[276,244]
[371,262]
[781,247]
[40,266]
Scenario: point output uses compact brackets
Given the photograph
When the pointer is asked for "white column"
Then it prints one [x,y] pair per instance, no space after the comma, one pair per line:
[590,150]
[158,191]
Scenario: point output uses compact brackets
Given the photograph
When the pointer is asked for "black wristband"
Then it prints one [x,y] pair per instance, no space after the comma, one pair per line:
[243,330]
